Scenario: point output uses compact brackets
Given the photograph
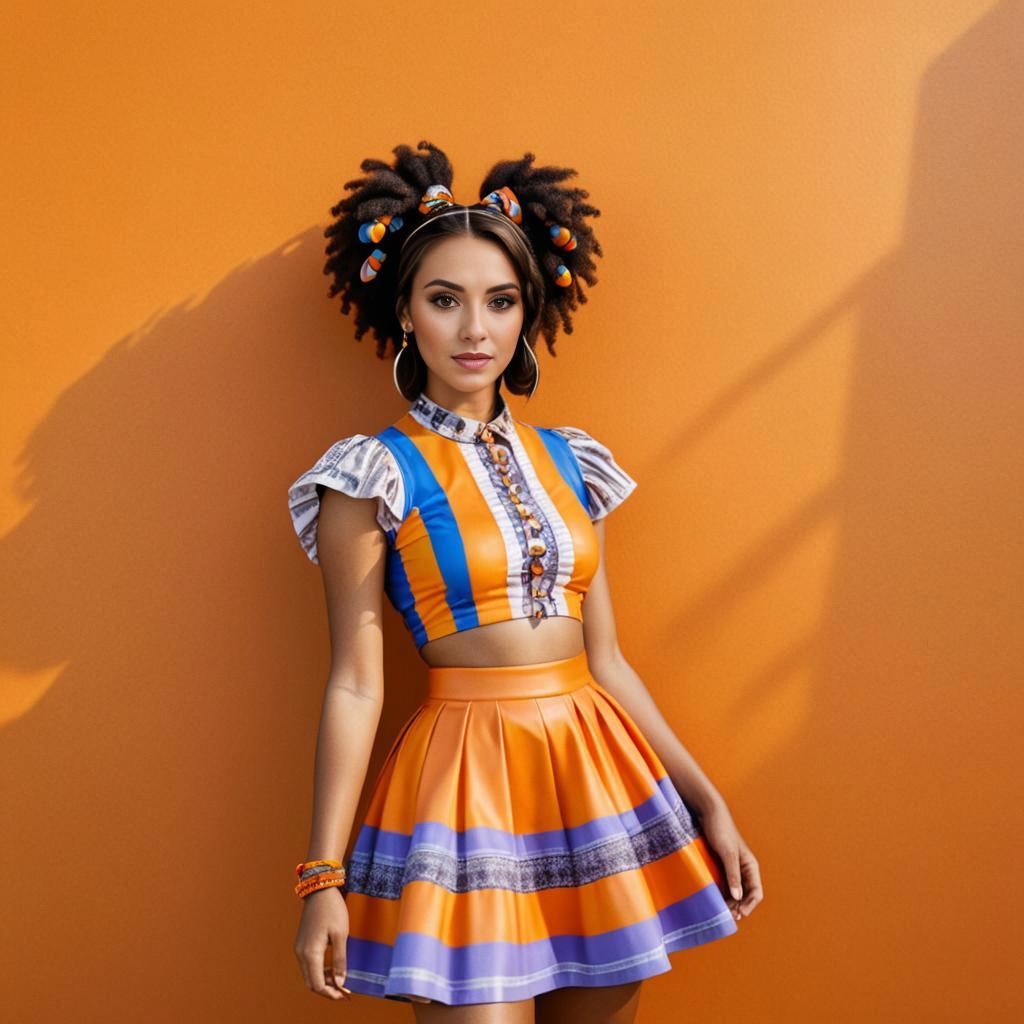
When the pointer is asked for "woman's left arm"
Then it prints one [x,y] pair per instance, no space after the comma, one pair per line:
[609,667]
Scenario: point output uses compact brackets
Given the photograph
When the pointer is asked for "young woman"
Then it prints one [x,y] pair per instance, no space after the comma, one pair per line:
[538,839]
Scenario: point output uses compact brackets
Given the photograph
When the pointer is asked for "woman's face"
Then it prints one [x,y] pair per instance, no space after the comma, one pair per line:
[465,300]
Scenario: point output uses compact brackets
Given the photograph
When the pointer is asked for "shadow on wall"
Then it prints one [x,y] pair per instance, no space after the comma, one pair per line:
[892,789]
[172,642]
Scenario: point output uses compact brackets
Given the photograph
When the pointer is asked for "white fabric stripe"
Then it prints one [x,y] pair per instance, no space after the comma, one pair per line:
[511,981]
[513,548]
[563,538]
[666,945]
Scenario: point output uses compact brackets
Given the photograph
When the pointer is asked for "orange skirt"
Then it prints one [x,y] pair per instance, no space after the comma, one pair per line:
[522,836]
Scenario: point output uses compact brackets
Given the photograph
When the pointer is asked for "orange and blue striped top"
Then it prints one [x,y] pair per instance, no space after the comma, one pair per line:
[485,521]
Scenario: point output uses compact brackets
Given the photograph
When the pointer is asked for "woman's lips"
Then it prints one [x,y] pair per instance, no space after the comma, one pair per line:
[476,362]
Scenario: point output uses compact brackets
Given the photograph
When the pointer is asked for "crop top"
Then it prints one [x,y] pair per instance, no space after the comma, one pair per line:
[485,522]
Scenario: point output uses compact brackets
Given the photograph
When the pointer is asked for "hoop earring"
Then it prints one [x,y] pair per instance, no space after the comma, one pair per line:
[394,365]
[536,367]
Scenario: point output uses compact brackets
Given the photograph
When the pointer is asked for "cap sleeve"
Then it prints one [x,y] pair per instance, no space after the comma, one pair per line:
[361,466]
[608,484]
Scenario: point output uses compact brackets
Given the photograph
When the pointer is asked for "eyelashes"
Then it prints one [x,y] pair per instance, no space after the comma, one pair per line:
[448,295]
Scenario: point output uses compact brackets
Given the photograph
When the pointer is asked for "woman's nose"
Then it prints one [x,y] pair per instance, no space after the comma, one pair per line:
[473,325]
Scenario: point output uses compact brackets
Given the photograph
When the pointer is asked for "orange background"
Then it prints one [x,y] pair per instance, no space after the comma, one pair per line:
[805,345]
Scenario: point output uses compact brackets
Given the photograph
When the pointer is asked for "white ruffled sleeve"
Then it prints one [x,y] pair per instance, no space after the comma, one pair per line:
[361,466]
[608,484]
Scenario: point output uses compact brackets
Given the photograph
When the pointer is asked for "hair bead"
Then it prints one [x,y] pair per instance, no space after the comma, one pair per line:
[562,276]
[374,230]
[562,237]
[371,265]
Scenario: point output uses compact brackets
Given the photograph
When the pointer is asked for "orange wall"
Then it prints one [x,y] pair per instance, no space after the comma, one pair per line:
[805,345]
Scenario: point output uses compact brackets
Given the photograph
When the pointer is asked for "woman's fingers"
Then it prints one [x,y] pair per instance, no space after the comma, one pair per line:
[752,882]
[733,875]
[311,960]
[303,966]
[336,972]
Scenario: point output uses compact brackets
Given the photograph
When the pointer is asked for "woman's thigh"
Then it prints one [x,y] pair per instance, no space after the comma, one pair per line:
[475,1013]
[602,1004]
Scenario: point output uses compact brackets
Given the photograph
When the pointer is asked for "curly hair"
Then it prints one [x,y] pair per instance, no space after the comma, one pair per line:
[392,194]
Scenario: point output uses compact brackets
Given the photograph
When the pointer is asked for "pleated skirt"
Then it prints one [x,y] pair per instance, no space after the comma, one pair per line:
[522,835]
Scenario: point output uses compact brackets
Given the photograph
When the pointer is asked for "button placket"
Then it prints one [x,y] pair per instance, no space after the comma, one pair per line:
[534,568]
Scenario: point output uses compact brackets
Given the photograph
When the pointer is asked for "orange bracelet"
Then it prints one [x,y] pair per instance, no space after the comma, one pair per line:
[330,873]
[302,865]
[321,881]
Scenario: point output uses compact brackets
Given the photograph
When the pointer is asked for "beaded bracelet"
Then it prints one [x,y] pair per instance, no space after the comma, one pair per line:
[318,874]
[303,867]
[326,881]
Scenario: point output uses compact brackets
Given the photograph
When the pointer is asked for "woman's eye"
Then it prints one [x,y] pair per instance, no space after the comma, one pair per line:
[437,301]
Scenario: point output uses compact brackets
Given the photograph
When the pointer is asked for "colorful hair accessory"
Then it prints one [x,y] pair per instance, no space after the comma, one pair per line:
[503,200]
[375,230]
[436,198]
[561,237]
[371,265]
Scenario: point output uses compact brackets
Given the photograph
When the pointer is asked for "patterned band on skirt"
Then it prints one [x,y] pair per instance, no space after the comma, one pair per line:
[522,836]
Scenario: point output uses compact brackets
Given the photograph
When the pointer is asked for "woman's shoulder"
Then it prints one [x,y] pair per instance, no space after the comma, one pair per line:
[607,483]
[359,465]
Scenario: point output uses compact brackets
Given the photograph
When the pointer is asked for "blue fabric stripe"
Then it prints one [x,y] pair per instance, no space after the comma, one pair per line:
[396,584]
[442,528]
[384,844]
[397,442]
[565,459]
[505,971]
[396,581]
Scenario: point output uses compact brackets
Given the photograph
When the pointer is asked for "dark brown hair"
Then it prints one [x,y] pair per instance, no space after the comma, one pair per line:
[396,191]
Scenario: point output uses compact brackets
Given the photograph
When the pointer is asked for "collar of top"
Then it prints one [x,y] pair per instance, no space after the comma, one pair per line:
[455,426]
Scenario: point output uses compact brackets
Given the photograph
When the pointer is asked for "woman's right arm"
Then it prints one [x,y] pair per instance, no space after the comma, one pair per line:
[352,550]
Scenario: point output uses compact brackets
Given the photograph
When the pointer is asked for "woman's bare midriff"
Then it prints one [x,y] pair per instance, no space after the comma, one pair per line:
[516,642]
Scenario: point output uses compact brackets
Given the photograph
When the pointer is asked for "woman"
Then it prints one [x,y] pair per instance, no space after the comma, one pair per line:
[537,839]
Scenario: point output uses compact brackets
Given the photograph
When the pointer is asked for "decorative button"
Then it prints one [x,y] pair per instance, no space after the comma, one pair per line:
[501,455]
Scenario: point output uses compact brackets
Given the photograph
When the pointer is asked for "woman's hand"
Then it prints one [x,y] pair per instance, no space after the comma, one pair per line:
[324,922]
[743,875]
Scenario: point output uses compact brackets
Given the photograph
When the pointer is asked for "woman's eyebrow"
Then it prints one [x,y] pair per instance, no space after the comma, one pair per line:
[458,287]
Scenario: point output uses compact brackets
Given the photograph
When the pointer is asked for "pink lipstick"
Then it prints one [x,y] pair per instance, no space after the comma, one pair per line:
[473,361]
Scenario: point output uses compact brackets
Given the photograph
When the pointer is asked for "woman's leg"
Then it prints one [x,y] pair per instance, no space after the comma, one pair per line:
[475,1013]
[603,1004]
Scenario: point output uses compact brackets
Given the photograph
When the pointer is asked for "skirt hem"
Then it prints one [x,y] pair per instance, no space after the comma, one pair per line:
[645,966]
